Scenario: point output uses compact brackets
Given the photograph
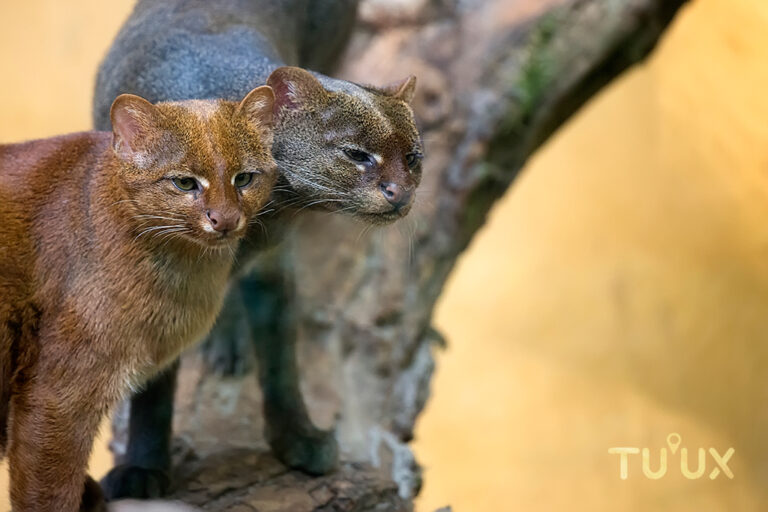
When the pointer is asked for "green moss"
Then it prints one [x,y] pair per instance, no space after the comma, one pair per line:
[530,82]
[537,69]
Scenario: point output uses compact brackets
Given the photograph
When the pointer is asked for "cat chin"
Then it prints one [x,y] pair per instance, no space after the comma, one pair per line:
[365,216]
[219,244]
[381,218]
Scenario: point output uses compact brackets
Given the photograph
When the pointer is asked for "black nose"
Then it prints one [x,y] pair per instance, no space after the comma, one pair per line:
[395,194]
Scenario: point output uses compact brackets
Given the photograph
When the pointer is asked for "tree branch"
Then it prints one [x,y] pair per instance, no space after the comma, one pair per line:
[496,79]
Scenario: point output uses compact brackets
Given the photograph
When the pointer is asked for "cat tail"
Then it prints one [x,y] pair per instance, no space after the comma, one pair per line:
[18,351]
[93,501]
[6,376]
[149,506]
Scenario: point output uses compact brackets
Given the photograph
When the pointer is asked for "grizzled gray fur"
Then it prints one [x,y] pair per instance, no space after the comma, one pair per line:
[182,49]
[338,146]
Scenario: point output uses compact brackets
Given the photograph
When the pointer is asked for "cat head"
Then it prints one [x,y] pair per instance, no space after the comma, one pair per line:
[197,171]
[345,147]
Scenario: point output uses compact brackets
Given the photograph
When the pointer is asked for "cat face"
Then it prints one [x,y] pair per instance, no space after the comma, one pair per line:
[345,147]
[195,171]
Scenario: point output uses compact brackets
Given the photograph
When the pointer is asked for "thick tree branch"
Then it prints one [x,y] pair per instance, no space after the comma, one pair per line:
[497,78]
[561,61]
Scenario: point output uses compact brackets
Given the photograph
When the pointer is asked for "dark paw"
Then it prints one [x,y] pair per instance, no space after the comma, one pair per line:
[228,355]
[312,450]
[135,482]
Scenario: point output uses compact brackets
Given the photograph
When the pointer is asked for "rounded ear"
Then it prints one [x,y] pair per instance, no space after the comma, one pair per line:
[403,89]
[134,120]
[295,88]
[258,107]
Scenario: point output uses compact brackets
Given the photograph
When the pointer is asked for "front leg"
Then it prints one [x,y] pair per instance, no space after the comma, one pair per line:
[54,423]
[145,470]
[294,439]
[228,349]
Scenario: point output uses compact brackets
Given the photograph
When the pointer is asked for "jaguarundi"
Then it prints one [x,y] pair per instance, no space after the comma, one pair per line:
[339,147]
[116,250]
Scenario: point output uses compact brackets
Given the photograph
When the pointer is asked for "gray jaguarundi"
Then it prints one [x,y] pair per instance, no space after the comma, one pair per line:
[339,146]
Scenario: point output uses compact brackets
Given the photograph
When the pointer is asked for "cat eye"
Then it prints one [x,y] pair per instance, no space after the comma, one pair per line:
[413,159]
[360,157]
[243,179]
[186,184]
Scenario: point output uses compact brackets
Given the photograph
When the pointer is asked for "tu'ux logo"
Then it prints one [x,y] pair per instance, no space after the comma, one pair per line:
[673,441]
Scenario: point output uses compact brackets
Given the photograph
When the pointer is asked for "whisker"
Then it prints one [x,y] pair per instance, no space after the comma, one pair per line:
[149,218]
[167,215]
[340,210]
[363,232]
[312,183]
[261,225]
[124,201]
[300,200]
[162,234]
[155,228]
[171,235]
[409,234]
[319,201]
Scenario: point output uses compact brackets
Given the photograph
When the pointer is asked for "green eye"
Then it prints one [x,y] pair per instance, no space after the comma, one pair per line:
[243,179]
[186,184]
[413,159]
[360,157]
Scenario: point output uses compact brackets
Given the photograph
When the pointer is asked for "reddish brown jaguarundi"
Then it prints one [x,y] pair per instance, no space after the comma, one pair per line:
[115,249]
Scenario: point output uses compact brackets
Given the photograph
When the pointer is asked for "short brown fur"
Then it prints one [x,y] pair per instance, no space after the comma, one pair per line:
[102,255]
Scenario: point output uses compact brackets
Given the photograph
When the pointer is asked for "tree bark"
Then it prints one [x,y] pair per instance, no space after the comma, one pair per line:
[496,79]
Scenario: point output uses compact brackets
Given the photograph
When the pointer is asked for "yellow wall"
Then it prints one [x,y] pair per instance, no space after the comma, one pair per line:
[49,50]
[618,294]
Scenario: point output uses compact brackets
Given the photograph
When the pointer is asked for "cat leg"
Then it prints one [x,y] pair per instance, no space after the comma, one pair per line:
[289,430]
[145,470]
[228,349]
[52,433]
[294,439]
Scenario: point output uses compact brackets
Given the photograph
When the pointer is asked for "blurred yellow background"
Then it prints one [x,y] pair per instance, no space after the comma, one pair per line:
[618,294]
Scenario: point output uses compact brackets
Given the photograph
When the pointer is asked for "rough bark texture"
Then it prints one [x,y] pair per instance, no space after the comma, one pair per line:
[496,79]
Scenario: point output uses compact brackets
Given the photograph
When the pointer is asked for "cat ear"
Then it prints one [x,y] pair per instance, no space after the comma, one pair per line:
[295,88]
[134,119]
[258,107]
[402,89]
